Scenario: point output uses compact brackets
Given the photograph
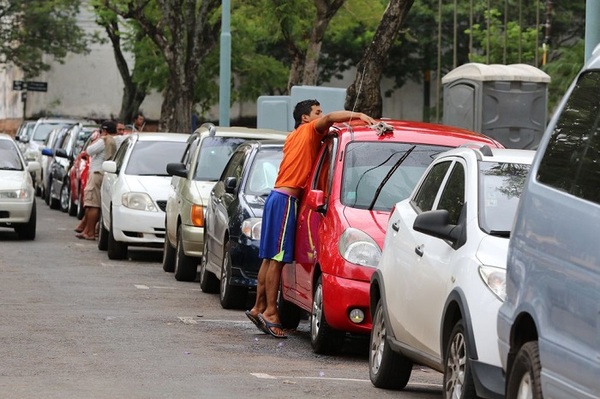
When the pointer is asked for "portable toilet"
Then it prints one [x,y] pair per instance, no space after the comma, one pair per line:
[506,102]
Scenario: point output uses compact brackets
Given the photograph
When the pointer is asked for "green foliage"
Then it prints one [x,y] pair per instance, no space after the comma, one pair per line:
[34,28]
[567,62]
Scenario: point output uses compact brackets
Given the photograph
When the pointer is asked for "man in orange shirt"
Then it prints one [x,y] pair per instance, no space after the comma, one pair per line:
[279,216]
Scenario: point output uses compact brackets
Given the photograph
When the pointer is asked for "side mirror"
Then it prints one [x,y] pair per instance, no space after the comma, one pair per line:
[315,200]
[435,223]
[230,185]
[47,151]
[61,153]
[177,169]
[33,166]
[109,166]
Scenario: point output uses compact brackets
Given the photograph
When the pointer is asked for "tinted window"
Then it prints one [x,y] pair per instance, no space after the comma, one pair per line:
[366,164]
[150,158]
[213,156]
[430,186]
[571,162]
[43,130]
[453,196]
[263,172]
[500,186]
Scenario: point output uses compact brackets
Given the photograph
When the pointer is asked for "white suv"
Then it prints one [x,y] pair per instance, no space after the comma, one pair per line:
[208,151]
[440,281]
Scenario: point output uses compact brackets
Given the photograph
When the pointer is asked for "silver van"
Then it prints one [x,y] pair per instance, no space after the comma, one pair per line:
[549,325]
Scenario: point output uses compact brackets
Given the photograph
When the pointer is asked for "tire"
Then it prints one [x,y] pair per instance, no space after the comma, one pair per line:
[458,378]
[186,267]
[231,296]
[80,207]
[323,339]
[53,203]
[387,369]
[65,197]
[289,314]
[46,193]
[115,250]
[102,237]
[168,260]
[72,205]
[208,281]
[524,377]
[26,231]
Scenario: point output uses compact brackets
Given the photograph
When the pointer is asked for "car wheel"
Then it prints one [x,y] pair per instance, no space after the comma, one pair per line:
[168,260]
[46,193]
[458,380]
[387,369]
[80,207]
[38,189]
[289,314]
[524,377]
[103,236]
[72,204]
[186,267]
[231,296]
[208,281]
[65,197]
[26,231]
[324,339]
[115,250]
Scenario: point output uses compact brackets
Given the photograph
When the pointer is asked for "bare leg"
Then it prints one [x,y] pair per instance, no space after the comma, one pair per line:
[82,222]
[261,299]
[93,214]
[273,278]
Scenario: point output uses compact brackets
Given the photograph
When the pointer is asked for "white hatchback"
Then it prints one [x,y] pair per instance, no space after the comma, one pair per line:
[134,192]
[17,196]
[441,279]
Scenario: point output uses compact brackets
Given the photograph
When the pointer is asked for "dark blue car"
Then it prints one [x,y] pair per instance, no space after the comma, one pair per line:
[233,221]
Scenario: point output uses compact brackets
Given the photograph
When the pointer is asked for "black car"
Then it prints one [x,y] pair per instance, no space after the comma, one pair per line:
[233,221]
[59,187]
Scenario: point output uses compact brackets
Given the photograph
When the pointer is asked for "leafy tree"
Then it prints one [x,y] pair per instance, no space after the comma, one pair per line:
[30,29]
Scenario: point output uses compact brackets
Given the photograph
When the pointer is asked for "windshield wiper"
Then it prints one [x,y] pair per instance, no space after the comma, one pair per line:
[389,175]
[500,233]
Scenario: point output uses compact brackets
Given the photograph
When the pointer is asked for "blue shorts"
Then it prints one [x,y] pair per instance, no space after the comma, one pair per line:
[278,231]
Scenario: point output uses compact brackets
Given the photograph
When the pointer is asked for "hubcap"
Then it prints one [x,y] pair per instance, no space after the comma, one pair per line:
[64,197]
[224,276]
[317,312]
[377,341]
[525,388]
[456,367]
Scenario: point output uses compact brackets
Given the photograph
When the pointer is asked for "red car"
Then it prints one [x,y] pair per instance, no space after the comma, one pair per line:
[78,175]
[358,177]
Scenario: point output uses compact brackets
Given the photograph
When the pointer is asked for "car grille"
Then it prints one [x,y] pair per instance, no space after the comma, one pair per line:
[162,205]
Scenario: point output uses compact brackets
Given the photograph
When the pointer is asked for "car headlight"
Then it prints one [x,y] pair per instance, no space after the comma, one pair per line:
[139,201]
[358,247]
[18,195]
[251,228]
[495,279]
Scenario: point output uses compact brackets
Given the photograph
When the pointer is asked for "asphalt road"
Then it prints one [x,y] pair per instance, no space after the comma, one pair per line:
[74,324]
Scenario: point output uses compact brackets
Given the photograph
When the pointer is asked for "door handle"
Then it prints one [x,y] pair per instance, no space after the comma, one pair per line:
[395,226]
[419,250]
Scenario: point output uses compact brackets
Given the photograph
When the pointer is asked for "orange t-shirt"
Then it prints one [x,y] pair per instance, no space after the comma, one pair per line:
[299,153]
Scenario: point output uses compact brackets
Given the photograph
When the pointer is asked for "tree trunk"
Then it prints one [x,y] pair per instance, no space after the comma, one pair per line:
[364,94]
[176,109]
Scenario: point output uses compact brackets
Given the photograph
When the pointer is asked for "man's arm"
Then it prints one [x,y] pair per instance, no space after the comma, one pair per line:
[323,124]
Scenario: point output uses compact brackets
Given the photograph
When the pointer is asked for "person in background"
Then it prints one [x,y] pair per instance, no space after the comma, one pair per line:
[102,148]
[300,151]
[139,121]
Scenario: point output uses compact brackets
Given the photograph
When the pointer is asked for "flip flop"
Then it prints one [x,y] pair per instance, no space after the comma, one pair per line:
[82,237]
[270,326]
[256,322]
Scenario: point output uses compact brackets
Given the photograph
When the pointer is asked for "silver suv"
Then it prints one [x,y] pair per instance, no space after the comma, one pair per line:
[549,325]
[208,151]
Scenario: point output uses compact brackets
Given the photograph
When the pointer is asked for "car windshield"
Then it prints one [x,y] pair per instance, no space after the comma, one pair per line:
[500,188]
[150,158]
[367,163]
[263,172]
[9,156]
[43,130]
[214,155]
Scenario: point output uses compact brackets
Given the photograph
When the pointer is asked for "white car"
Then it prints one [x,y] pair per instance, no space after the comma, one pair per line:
[439,284]
[134,192]
[17,195]
[194,176]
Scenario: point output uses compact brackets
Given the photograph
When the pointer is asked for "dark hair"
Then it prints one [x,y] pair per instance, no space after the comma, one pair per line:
[303,108]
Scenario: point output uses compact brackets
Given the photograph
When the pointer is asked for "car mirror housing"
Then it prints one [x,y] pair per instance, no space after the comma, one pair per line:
[109,166]
[315,200]
[33,166]
[47,151]
[230,185]
[177,169]
[435,223]
[61,153]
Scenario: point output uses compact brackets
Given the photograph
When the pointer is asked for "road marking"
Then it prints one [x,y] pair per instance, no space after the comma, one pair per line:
[280,377]
[188,320]
[145,287]
[141,287]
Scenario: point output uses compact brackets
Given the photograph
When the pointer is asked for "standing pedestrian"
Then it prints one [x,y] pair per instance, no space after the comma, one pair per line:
[139,121]
[101,149]
[300,151]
